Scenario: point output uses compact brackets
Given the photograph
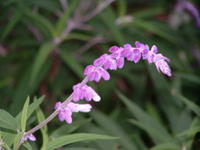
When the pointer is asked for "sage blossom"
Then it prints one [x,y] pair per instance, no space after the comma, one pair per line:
[84,92]
[95,73]
[65,114]
[30,137]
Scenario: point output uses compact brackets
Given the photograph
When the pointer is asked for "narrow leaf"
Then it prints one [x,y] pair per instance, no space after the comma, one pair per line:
[41,117]
[192,106]
[155,129]
[7,121]
[79,137]
[24,114]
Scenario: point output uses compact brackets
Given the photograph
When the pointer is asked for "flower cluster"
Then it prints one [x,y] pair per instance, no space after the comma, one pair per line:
[99,69]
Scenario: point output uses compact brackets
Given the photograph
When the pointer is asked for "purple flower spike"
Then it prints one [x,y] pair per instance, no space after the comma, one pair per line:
[96,73]
[106,61]
[30,137]
[84,92]
[65,114]
[180,6]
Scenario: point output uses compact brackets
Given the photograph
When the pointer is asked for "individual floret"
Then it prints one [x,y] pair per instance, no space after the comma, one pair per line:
[94,73]
[65,114]
[84,92]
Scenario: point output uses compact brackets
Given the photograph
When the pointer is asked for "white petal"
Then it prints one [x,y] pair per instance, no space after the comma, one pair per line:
[97,98]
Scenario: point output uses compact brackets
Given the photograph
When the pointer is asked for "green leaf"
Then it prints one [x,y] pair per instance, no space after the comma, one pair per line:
[194,128]
[79,137]
[24,115]
[7,121]
[8,137]
[109,18]
[35,105]
[190,77]
[121,7]
[158,28]
[24,87]
[32,107]
[17,141]
[152,126]
[40,59]
[166,146]
[80,148]
[192,106]
[69,128]
[39,20]
[11,24]
[27,146]
[114,129]
[41,117]
[72,63]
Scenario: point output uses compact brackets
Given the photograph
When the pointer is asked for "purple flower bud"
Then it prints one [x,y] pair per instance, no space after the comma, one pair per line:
[84,92]
[94,73]
[30,137]
[163,67]
[113,49]
[65,114]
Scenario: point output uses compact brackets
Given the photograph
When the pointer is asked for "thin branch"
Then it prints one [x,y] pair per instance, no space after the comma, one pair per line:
[53,115]
[99,8]
[89,44]
[64,4]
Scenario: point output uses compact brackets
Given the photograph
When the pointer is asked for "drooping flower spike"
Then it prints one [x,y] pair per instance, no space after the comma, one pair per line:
[98,71]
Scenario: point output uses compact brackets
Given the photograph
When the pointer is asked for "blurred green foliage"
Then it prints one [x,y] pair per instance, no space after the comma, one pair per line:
[44,47]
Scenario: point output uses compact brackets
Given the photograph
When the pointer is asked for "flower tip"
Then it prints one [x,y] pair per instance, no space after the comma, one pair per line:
[32,137]
[97,98]
[169,74]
